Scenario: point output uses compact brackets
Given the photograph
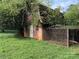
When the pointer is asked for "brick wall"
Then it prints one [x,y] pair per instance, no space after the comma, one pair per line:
[38,33]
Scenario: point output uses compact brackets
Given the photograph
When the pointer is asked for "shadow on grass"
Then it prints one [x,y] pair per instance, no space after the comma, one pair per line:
[20,37]
[16,35]
[77,54]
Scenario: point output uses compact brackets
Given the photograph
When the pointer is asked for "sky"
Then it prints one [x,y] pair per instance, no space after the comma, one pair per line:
[63,3]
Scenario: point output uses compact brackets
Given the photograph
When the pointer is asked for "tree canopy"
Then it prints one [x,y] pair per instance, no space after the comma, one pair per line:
[11,10]
[72,15]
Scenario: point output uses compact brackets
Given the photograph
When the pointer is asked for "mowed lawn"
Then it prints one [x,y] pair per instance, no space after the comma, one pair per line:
[20,48]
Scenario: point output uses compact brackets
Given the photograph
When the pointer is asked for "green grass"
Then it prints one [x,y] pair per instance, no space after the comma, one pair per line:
[21,48]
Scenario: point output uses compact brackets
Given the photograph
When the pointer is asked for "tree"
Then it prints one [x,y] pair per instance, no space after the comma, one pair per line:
[72,15]
[16,8]
[9,9]
[51,17]
[58,16]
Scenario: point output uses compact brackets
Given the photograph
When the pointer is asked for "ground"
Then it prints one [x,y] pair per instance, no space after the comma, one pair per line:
[12,47]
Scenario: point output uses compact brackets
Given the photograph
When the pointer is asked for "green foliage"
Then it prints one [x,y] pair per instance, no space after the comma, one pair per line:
[52,17]
[72,15]
[11,7]
[59,17]
[10,12]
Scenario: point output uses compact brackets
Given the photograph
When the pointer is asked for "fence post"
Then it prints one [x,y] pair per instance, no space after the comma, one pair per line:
[67,37]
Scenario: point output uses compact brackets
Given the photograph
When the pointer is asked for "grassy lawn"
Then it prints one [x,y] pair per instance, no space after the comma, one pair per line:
[19,48]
